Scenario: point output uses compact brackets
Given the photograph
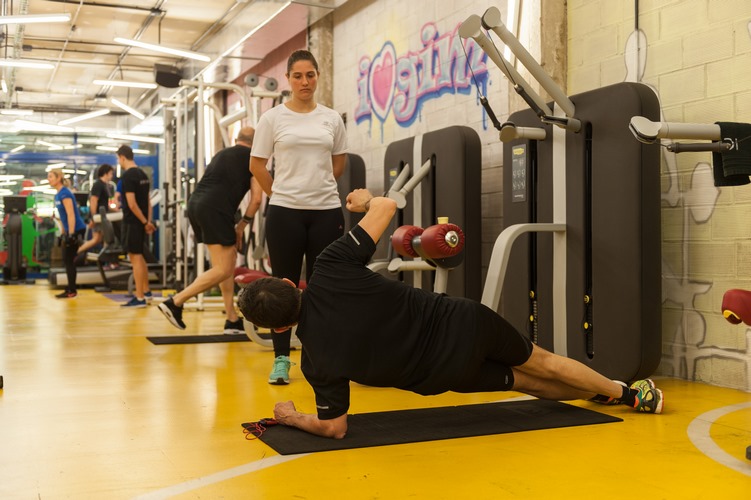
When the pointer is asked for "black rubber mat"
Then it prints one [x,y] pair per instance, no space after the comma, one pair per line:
[430,424]
[199,339]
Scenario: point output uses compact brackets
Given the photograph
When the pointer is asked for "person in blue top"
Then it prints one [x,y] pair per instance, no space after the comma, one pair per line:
[74,228]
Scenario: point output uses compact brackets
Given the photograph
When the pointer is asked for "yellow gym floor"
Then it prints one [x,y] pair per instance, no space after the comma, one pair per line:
[92,410]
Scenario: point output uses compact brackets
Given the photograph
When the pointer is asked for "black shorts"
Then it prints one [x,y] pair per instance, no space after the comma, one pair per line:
[133,237]
[211,226]
[500,346]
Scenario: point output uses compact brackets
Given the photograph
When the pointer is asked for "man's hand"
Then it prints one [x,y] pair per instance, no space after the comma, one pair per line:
[286,414]
[358,200]
[284,411]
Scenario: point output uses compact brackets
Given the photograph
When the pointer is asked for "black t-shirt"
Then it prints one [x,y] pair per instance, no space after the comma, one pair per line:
[225,181]
[102,192]
[385,332]
[135,181]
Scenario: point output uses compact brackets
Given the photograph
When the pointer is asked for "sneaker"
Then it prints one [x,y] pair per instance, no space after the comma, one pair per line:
[280,372]
[231,327]
[148,296]
[649,399]
[609,401]
[135,303]
[66,295]
[173,313]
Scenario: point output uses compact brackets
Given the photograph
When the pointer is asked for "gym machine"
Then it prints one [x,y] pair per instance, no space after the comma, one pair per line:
[577,265]
[14,270]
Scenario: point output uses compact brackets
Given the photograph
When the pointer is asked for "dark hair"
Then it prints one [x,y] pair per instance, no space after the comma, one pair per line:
[270,303]
[104,169]
[125,151]
[301,55]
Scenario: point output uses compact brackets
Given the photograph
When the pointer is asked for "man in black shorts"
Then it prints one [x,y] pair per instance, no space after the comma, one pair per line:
[136,222]
[211,210]
[356,325]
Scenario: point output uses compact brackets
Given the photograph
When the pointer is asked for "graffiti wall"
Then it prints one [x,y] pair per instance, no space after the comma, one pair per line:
[401,70]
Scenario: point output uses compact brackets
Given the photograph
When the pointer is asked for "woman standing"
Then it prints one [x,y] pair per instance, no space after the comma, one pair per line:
[73,228]
[309,144]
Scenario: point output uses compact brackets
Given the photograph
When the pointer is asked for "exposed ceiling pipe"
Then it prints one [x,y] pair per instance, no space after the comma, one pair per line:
[152,10]
[65,45]
[242,4]
[156,10]
[210,31]
[17,50]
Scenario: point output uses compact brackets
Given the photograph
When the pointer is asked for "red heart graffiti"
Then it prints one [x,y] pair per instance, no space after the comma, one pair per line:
[382,79]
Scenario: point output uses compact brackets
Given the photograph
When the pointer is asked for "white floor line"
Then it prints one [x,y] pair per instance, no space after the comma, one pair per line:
[698,433]
[200,482]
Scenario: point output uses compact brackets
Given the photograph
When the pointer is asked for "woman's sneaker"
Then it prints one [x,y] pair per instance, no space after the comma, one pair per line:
[66,295]
[649,399]
[173,313]
[280,371]
[231,327]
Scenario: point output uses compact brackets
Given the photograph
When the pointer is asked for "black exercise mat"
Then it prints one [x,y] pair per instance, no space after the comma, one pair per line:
[199,339]
[430,424]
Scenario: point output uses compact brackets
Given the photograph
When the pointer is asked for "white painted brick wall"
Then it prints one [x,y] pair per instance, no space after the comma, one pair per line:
[699,60]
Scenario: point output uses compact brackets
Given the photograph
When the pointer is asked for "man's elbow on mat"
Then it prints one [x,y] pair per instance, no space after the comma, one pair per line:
[336,427]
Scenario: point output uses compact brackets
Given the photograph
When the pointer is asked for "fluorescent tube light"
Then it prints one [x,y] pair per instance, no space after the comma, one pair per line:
[127,108]
[164,50]
[113,149]
[85,116]
[25,63]
[17,148]
[140,138]
[48,144]
[35,18]
[15,111]
[40,127]
[120,83]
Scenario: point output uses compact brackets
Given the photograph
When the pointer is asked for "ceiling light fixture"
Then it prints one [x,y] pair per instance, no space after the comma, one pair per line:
[127,108]
[120,83]
[35,18]
[113,149]
[17,112]
[40,127]
[53,166]
[164,50]
[49,145]
[26,63]
[17,148]
[85,116]
[140,138]
[4,85]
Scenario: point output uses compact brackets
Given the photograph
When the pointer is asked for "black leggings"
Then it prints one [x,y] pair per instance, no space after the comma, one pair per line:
[70,250]
[292,234]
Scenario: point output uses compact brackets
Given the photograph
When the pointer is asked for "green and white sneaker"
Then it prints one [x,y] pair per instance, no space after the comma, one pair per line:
[649,399]
[280,371]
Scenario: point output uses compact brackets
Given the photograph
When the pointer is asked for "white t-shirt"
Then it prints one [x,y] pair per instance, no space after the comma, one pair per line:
[302,145]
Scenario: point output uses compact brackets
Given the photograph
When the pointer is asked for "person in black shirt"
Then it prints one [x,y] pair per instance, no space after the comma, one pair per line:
[136,222]
[356,325]
[99,198]
[211,210]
